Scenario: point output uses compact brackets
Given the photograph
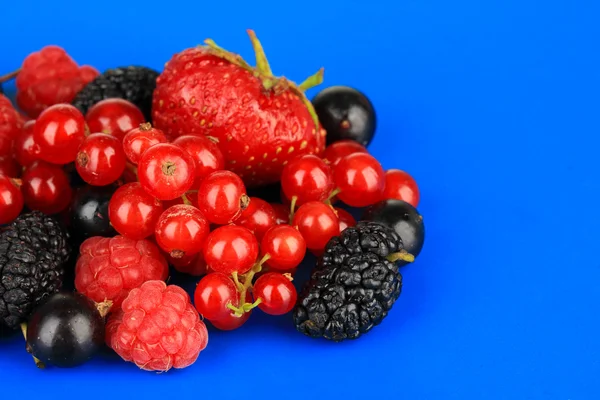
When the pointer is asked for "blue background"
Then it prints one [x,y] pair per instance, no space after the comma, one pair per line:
[493,106]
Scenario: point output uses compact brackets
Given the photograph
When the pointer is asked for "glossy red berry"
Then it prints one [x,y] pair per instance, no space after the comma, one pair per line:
[360,178]
[11,199]
[285,246]
[222,197]
[282,213]
[192,265]
[276,293]
[258,217]
[100,160]
[58,132]
[231,322]
[338,150]
[345,218]
[9,167]
[181,231]
[206,154]
[46,188]
[307,178]
[212,295]
[166,171]
[317,223]
[140,139]
[133,212]
[400,185]
[6,145]
[230,249]
[114,117]
[25,150]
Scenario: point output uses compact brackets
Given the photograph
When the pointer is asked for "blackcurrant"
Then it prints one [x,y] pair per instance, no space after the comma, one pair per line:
[66,330]
[345,113]
[89,212]
[404,219]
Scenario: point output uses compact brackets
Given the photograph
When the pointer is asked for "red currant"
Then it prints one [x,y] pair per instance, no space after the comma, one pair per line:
[307,178]
[360,179]
[345,218]
[46,188]
[140,139]
[100,160]
[282,213]
[338,150]
[317,223]
[181,231]
[166,171]
[133,212]
[231,249]
[401,186]
[206,154]
[58,132]
[9,167]
[114,117]
[192,265]
[258,217]
[26,151]
[231,322]
[276,293]
[222,197]
[11,199]
[6,145]
[285,246]
[212,295]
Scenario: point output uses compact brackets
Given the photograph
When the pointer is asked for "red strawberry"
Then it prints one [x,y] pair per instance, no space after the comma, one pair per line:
[261,121]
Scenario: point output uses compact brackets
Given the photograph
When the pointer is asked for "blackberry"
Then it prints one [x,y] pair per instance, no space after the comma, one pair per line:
[33,251]
[355,284]
[135,84]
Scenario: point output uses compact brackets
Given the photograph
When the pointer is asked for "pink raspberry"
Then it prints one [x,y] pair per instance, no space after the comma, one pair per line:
[49,77]
[108,268]
[157,328]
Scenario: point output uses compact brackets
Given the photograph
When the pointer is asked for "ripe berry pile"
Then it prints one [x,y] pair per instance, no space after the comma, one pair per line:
[138,198]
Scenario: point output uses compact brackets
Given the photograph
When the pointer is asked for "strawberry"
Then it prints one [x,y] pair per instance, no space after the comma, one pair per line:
[261,121]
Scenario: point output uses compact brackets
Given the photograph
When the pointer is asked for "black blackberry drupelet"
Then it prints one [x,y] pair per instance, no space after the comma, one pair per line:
[33,251]
[135,84]
[354,286]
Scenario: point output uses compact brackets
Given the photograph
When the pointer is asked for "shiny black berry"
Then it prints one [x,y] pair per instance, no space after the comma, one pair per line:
[89,212]
[404,219]
[65,331]
[345,113]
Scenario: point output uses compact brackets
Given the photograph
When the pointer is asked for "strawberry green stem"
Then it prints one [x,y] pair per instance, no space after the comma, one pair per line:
[38,362]
[261,59]
[263,72]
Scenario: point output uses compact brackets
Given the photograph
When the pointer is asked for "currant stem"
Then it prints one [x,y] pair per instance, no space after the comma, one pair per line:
[185,199]
[38,362]
[247,307]
[236,280]
[293,207]
[402,255]
[9,76]
[248,276]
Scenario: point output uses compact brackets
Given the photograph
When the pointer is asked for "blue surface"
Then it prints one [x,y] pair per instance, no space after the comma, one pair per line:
[493,106]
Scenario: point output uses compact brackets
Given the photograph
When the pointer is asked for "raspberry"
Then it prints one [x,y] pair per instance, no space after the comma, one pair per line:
[108,268]
[158,328]
[49,77]
[10,125]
